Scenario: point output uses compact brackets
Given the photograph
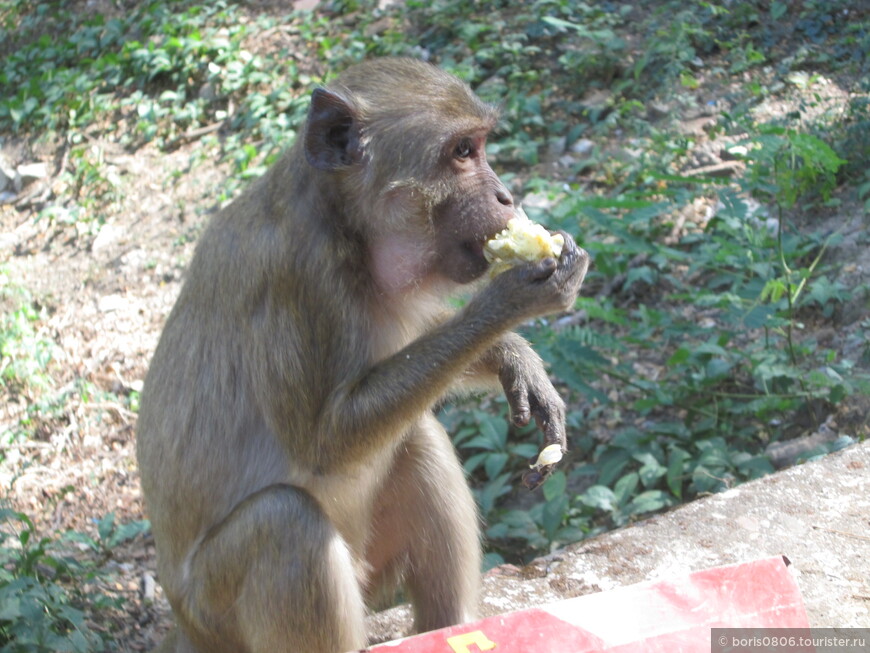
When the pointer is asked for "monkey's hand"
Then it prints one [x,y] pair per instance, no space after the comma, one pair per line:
[531,395]
[541,469]
[542,287]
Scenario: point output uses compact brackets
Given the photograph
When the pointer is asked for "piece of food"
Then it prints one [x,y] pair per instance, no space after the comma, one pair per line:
[522,242]
[540,470]
[549,455]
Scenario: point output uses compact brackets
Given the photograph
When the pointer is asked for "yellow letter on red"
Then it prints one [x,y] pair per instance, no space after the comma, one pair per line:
[463,643]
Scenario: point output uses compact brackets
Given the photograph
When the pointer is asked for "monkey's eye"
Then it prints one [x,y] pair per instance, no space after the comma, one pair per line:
[464,149]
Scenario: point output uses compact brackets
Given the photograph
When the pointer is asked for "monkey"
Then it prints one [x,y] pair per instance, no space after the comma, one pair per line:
[291,463]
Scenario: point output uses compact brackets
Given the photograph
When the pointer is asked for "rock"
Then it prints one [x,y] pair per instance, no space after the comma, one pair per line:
[657,109]
[598,102]
[556,146]
[698,125]
[538,201]
[596,98]
[7,175]
[30,172]
[208,92]
[583,147]
[734,153]
[107,235]
[109,303]
[704,155]
[148,587]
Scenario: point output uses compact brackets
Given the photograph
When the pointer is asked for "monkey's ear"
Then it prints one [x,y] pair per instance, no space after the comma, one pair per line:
[332,133]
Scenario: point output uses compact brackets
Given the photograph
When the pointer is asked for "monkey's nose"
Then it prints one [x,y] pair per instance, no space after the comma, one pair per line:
[504,197]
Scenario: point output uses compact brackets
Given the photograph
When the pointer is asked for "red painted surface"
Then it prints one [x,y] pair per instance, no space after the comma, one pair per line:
[664,616]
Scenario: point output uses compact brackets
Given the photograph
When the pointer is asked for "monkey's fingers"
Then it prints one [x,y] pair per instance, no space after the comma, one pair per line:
[518,400]
[570,252]
[541,469]
[516,390]
[538,474]
[541,270]
[534,478]
[550,418]
[574,260]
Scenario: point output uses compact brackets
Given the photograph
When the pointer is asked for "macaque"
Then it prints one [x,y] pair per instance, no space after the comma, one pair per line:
[291,464]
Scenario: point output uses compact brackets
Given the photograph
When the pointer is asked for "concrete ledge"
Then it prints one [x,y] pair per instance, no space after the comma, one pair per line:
[816,514]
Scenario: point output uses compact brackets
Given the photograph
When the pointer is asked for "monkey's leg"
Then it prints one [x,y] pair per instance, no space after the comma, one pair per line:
[273,577]
[426,530]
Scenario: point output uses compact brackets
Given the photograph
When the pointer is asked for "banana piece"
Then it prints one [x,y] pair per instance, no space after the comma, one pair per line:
[549,455]
[522,242]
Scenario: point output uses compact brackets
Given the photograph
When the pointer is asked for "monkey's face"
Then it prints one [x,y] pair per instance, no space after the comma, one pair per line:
[406,143]
[477,205]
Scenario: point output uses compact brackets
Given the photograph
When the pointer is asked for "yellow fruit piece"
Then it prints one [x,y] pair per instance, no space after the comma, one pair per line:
[522,242]
[549,455]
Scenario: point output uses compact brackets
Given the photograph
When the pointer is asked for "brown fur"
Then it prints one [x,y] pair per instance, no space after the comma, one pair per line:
[289,458]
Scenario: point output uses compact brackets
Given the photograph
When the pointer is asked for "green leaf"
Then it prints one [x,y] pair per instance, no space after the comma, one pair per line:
[10,602]
[494,463]
[81,538]
[491,560]
[676,462]
[758,316]
[611,465]
[494,429]
[525,450]
[106,526]
[483,442]
[678,357]
[773,290]
[651,473]
[778,10]
[555,486]
[649,501]
[473,462]
[703,480]
[717,368]
[625,488]
[553,514]
[600,497]
[672,429]
[755,466]
[128,531]
[491,491]
[688,80]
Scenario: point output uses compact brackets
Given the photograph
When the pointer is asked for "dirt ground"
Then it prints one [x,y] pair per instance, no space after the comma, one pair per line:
[107,293]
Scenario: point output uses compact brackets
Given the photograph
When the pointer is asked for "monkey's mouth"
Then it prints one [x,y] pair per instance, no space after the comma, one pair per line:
[474,251]
[471,264]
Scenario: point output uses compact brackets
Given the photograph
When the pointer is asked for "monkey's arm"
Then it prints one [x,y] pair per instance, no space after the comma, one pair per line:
[512,365]
[528,388]
[384,400]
